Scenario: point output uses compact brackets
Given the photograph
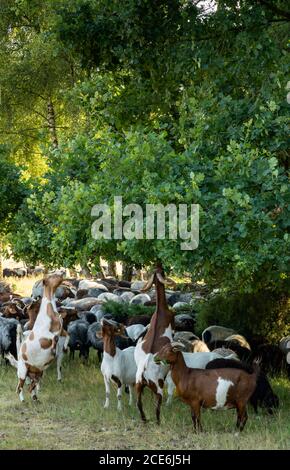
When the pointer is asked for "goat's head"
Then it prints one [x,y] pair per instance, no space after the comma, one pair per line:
[169,353]
[111,328]
[52,281]
[157,277]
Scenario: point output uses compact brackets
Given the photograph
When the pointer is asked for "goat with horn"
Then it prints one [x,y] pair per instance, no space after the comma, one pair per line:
[159,333]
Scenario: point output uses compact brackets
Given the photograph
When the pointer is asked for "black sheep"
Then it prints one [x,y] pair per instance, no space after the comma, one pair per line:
[263,395]
[8,333]
[272,358]
[93,340]
[78,341]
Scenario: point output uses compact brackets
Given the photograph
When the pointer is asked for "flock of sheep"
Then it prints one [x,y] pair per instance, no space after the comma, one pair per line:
[221,370]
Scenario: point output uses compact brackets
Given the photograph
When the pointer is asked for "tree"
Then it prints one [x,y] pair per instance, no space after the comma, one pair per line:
[178,105]
[12,192]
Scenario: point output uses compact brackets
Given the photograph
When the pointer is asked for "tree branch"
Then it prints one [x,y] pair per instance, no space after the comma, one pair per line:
[275,9]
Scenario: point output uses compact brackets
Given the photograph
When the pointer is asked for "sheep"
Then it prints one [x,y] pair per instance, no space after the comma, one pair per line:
[225,352]
[244,354]
[284,344]
[95,341]
[263,394]
[215,332]
[139,319]
[8,334]
[134,331]
[196,360]
[117,365]
[199,346]
[179,336]
[78,338]
[12,309]
[215,389]
[272,358]
[241,340]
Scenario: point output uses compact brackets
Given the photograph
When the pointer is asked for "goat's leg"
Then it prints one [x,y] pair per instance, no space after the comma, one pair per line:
[195,415]
[59,363]
[22,374]
[130,395]
[119,397]
[139,389]
[19,339]
[158,407]
[170,389]
[65,346]
[19,389]
[242,416]
[33,390]
[107,387]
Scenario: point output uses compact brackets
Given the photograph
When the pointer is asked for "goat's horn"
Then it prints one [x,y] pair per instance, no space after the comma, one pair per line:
[160,278]
[171,282]
[149,284]
[177,346]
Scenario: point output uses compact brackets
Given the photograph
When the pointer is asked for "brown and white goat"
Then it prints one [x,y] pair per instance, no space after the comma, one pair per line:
[117,365]
[159,333]
[38,349]
[215,389]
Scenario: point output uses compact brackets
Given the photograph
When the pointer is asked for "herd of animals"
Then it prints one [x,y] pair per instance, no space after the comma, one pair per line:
[222,370]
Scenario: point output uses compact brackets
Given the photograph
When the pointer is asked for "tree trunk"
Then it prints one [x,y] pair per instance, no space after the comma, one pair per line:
[52,123]
[112,269]
[86,271]
[127,271]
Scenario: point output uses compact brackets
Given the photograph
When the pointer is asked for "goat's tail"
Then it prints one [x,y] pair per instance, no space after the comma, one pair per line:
[12,360]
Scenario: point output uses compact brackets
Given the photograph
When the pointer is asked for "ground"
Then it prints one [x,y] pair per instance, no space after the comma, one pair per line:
[70,415]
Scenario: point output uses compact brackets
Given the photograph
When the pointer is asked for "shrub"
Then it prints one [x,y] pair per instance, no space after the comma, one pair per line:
[264,313]
[121,311]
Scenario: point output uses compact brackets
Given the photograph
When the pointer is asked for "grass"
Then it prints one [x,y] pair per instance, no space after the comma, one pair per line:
[23,285]
[70,415]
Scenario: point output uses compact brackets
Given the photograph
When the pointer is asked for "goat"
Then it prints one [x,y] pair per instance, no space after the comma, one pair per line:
[117,365]
[263,394]
[158,334]
[197,360]
[38,350]
[67,315]
[215,389]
